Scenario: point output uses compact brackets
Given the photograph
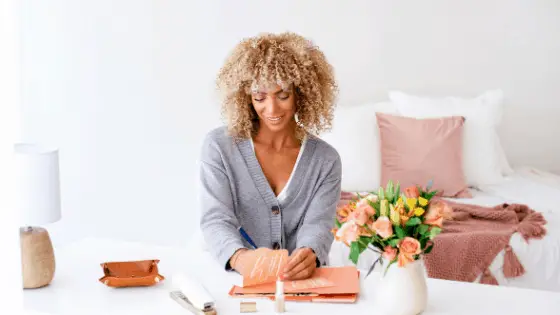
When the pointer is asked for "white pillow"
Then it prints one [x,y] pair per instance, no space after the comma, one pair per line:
[355,136]
[483,157]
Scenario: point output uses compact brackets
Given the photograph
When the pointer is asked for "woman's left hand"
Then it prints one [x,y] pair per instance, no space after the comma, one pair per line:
[301,264]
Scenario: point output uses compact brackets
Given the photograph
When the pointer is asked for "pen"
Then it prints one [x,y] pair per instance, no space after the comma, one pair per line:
[246,237]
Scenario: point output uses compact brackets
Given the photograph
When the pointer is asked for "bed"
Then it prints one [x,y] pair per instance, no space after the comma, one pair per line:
[362,140]
[540,258]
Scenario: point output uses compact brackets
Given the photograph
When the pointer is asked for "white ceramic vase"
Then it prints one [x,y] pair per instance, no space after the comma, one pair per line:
[402,290]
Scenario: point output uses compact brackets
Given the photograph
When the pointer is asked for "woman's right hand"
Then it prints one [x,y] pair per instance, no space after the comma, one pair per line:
[243,260]
[240,260]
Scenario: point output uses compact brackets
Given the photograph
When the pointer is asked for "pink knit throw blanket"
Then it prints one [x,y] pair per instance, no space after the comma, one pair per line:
[471,240]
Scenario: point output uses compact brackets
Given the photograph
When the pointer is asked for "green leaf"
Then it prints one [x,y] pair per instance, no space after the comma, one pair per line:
[423,229]
[397,191]
[377,208]
[358,196]
[364,242]
[429,195]
[410,230]
[381,193]
[338,224]
[434,231]
[394,242]
[365,239]
[404,199]
[376,239]
[423,241]
[413,221]
[429,248]
[354,252]
[400,232]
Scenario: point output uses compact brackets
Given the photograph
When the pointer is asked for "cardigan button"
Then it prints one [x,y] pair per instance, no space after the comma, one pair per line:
[275,210]
[276,245]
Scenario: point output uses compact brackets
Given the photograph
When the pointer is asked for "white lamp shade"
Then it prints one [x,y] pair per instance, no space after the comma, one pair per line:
[38,185]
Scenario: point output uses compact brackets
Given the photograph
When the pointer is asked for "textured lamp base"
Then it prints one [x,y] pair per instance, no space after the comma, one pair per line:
[37,257]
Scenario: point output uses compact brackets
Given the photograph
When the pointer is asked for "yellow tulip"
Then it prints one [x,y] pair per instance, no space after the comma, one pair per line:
[418,211]
[422,201]
[411,203]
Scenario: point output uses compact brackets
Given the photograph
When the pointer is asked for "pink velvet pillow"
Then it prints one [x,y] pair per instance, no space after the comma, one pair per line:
[415,151]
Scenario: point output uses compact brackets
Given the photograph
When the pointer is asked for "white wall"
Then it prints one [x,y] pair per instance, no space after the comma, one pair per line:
[10,92]
[125,88]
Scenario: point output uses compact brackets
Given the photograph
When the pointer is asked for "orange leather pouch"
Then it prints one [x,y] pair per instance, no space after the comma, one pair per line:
[131,273]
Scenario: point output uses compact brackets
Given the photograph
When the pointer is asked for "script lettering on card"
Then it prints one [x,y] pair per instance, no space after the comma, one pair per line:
[275,264]
[266,268]
[257,273]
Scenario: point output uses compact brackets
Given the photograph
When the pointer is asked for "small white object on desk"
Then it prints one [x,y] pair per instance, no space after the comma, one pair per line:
[195,292]
[279,300]
[182,300]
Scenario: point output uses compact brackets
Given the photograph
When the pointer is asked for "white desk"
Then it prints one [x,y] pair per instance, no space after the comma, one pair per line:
[76,289]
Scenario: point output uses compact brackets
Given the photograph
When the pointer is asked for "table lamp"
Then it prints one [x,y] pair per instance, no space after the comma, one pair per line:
[38,203]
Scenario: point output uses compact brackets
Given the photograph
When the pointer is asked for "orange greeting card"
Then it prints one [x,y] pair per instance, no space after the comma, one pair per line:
[266,267]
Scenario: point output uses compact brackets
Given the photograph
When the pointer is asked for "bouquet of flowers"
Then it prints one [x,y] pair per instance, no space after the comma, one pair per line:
[399,226]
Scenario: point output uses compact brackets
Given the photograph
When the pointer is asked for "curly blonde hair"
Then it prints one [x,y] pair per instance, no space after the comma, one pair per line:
[282,59]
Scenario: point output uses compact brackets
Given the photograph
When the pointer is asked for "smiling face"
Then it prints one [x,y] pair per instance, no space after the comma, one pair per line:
[276,108]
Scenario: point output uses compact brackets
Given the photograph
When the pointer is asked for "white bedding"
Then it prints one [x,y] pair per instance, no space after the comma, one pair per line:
[540,258]
[541,191]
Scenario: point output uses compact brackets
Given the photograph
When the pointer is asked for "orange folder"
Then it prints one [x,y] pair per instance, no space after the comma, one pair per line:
[328,284]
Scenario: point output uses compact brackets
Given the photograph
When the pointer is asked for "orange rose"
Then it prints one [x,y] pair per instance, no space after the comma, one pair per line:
[437,211]
[348,232]
[411,192]
[389,253]
[362,213]
[404,259]
[408,247]
[383,227]
[360,217]
[364,203]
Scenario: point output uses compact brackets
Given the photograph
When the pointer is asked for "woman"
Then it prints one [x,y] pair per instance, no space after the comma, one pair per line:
[266,171]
